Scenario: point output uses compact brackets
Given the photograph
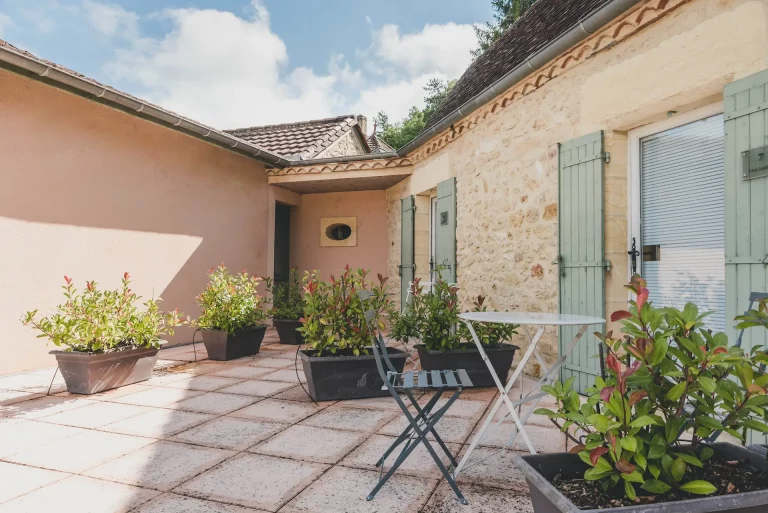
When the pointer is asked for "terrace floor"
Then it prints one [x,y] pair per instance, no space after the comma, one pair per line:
[236,437]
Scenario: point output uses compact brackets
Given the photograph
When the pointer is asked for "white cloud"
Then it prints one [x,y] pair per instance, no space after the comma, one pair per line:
[111,20]
[435,49]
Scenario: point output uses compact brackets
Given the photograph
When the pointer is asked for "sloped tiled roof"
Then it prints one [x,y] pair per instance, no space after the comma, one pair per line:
[377,144]
[302,140]
[543,23]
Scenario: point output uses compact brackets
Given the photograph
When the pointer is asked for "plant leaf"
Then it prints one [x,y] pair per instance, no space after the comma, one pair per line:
[699,487]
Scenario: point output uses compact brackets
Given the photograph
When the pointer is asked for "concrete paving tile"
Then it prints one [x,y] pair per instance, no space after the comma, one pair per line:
[8,397]
[158,397]
[230,433]
[243,371]
[161,365]
[544,439]
[286,375]
[176,350]
[418,463]
[257,388]
[485,394]
[216,403]
[375,403]
[254,480]
[36,381]
[172,503]
[189,356]
[78,494]
[450,429]
[281,352]
[272,362]
[42,407]
[343,490]
[350,419]
[288,412]
[204,367]
[160,466]
[309,443]
[95,415]
[80,452]
[165,377]
[17,435]
[481,500]
[158,423]
[465,408]
[111,395]
[298,394]
[19,479]
[490,466]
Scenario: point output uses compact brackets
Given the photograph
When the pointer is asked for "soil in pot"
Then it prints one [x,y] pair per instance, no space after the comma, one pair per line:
[286,330]
[222,346]
[467,357]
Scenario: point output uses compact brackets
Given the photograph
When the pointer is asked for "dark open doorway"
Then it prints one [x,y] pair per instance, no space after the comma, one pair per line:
[282,242]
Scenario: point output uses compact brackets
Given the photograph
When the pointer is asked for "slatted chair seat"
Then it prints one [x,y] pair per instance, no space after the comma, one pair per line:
[428,379]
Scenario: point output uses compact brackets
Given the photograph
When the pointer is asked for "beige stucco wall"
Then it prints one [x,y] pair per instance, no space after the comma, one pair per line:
[369,207]
[91,192]
[506,166]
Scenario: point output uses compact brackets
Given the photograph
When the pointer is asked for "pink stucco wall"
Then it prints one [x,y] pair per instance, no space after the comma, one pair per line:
[91,192]
[371,251]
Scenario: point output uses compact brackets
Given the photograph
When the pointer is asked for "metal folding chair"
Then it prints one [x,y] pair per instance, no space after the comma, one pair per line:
[423,422]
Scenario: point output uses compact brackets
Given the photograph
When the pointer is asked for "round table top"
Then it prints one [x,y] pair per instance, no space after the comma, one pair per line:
[532,318]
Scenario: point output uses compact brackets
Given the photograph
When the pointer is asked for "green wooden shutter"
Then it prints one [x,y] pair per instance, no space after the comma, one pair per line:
[746,219]
[582,265]
[407,260]
[445,232]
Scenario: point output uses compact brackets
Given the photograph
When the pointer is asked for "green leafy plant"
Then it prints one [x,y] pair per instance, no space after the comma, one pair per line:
[287,301]
[430,316]
[667,376]
[334,316]
[230,302]
[100,321]
[490,334]
[756,317]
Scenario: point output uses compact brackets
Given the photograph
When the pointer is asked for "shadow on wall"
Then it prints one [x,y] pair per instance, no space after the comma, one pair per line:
[91,192]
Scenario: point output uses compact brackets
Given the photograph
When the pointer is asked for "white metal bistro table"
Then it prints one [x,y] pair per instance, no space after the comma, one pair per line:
[524,319]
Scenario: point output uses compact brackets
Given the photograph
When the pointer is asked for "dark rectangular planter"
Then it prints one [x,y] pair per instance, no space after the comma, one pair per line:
[540,468]
[332,378]
[223,346]
[286,330]
[90,373]
[469,359]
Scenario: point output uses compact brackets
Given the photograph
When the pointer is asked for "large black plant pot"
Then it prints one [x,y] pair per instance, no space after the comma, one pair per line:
[286,330]
[224,346]
[332,378]
[467,357]
[539,469]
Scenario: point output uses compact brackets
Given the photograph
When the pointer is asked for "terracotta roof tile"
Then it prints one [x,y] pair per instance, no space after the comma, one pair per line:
[543,23]
[378,145]
[302,140]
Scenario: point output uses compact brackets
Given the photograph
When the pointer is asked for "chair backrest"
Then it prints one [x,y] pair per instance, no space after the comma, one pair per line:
[754,297]
[377,342]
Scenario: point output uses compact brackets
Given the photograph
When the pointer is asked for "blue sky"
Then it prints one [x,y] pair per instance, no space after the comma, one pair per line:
[233,63]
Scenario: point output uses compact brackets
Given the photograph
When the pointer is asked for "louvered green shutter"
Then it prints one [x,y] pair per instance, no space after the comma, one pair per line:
[582,265]
[445,232]
[745,106]
[407,261]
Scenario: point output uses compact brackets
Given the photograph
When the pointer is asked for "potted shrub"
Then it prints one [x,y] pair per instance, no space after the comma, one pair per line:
[107,340]
[338,361]
[433,318]
[642,435]
[287,308]
[232,317]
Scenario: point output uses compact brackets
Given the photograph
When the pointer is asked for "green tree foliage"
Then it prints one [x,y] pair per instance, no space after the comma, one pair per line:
[401,133]
[506,13]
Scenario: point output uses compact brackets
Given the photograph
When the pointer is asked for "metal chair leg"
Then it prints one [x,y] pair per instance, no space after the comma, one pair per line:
[428,408]
[407,431]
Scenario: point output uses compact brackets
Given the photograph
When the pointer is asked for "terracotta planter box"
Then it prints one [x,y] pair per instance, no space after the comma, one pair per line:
[469,359]
[540,468]
[90,373]
[332,378]
[286,330]
[223,346]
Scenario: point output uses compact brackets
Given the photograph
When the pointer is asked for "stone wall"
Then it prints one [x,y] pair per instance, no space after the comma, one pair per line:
[506,165]
[348,144]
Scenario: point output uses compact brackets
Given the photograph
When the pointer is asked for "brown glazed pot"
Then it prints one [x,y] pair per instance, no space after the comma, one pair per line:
[90,373]
[286,330]
[223,346]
